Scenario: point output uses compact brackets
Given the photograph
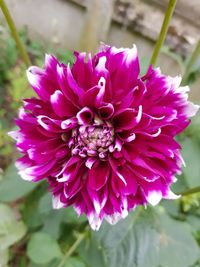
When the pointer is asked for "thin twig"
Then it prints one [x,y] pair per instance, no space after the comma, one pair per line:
[190,191]
[163,31]
[15,34]
[72,249]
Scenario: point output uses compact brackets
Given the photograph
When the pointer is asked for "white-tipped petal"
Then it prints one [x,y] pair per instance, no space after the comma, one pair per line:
[57,204]
[154,197]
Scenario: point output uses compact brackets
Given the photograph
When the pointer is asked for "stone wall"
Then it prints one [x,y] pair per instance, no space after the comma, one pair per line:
[69,24]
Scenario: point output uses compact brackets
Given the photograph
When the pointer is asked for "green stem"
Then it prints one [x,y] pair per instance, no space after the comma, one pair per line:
[163,31]
[14,33]
[72,249]
[190,191]
[191,62]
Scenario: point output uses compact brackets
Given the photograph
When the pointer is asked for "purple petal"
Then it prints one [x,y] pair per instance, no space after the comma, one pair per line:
[98,175]
[106,111]
[127,119]
[61,106]
[84,116]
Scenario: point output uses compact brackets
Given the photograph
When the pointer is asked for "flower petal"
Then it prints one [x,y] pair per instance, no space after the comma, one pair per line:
[106,111]
[61,106]
[98,175]
[85,116]
[127,119]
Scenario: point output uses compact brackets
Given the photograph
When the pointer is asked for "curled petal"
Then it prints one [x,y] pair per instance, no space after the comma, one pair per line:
[69,124]
[100,95]
[49,124]
[85,116]
[106,111]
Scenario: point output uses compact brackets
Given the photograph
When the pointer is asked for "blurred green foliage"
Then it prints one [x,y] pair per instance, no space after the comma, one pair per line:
[34,235]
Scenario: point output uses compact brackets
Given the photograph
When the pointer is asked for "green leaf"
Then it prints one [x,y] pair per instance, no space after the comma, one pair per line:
[74,262]
[194,222]
[92,253]
[67,215]
[118,242]
[70,262]
[52,223]
[70,216]
[42,248]
[45,204]
[148,238]
[172,207]
[12,186]
[191,155]
[31,215]
[4,257]
[53,263]
[53,219]
[177,247]
[11,230]
[147,242]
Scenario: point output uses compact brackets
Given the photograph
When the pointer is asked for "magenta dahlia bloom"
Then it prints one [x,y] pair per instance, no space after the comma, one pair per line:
[101,135]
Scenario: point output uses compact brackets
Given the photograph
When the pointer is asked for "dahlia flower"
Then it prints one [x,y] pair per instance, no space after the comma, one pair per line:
[102,136]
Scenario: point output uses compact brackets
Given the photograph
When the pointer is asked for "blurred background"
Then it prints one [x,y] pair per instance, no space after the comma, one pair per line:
[82,24]
[31,234]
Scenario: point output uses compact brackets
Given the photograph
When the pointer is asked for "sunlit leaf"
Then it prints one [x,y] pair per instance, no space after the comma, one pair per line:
[12,187]
[4,257]
[42,248]
[11,230]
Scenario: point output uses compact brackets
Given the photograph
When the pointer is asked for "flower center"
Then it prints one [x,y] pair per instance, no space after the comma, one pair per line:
[92,140]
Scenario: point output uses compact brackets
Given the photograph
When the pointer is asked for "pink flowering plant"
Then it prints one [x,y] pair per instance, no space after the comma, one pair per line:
[100,145]
[102,136]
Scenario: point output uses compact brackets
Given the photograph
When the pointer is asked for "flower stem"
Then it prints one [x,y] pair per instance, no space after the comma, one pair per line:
[14,33]
[191,62]
[163,31]
[72,249]
[190,191]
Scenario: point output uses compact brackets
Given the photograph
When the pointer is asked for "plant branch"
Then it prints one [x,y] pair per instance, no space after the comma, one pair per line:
[163,31]
[14,33]
[72,249]
[191,62]
[190,191]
